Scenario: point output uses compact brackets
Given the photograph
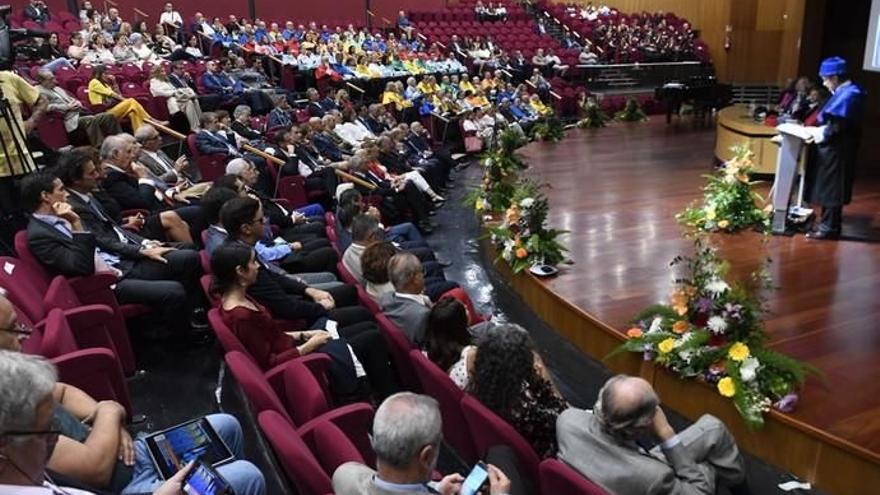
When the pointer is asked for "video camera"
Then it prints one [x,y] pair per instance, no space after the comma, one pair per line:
[10,36]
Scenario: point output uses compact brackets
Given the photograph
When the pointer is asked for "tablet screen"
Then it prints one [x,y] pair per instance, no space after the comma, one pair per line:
[173,448]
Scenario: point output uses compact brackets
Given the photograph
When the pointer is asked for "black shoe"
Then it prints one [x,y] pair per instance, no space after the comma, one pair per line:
[199,319]
[823,235]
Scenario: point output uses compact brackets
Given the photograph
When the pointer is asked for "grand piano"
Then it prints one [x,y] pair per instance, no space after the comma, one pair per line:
[703,93]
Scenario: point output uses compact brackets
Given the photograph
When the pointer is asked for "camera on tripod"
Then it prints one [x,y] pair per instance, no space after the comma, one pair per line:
[10,36]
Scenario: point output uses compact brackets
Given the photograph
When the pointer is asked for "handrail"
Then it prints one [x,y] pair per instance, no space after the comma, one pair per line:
[262,154]
[356,180]
[355,87]
[444,119]
[635,65]
[167,130]
[141,12]
[422,36]
[370,13]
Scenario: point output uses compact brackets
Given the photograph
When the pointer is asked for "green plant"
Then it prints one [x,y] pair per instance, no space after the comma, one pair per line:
[632,112]
[712,330]
[594,117]
[729,204]
[549,130]
[523,239]
[500,165]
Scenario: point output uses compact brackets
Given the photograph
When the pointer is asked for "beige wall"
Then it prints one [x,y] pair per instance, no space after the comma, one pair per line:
[765,41]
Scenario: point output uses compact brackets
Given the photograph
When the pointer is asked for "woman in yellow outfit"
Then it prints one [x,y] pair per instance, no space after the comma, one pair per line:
[103,90]
[392,95]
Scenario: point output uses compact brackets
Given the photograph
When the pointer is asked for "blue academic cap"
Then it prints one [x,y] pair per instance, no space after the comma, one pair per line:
[832,66]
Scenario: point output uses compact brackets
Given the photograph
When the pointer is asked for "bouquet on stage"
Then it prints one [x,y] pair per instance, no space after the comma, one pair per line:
[712,330]
[522,239]
[729,204]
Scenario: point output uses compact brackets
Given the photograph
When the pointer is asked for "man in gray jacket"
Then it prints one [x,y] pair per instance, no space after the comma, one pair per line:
[604,445]
[407,307]
[75,116]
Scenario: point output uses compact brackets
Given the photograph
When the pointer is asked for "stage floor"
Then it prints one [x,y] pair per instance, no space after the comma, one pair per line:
[617,191]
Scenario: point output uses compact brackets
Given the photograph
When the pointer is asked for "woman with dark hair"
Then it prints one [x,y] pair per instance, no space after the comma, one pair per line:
[103,90]
[510,379]
[448,341]
[235,269]
[51,52]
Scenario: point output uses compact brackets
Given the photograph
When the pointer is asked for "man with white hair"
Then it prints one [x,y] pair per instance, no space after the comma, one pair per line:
[407,433]
[41,427]
[605,445]
[75,116]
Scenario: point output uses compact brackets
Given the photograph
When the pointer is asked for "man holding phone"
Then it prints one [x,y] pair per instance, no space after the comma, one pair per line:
[407,432]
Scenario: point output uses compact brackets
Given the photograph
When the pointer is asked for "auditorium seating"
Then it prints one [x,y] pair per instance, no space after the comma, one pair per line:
[557,477]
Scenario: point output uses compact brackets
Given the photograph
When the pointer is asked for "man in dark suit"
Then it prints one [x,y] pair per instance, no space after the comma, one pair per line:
[37,11]
[130,186]
[160,164]
[72,245]
[181,79]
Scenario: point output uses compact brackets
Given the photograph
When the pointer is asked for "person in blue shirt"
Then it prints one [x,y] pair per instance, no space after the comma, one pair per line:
[831,167]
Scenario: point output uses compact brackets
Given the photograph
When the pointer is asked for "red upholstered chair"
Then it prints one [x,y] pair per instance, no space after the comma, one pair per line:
[83,94]
[293,189]
[95,370]
[51,130]
[436,383]
[206,281]
[558,477]
[345,275]
[367,301]
[333,447]
[462,296]
[488,429]
[294,455]
[253,383]
[211,166]
[399,346]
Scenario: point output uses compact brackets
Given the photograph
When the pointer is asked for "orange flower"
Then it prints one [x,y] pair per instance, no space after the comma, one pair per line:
[718,367]
[634,332]
[679,298]
[680,327]
[512,215]
[681,309]
[521,253]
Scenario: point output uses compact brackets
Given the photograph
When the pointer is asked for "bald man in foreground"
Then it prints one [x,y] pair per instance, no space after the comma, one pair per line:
[604,445]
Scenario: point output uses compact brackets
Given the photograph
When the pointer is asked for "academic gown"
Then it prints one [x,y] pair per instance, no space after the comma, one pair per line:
[831,165]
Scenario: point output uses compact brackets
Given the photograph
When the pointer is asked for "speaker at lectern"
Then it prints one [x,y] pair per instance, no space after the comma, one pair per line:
[793,138]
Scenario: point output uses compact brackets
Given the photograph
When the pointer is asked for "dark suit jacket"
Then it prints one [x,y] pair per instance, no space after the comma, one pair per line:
[209,143]
[103,229]
[129,192]
[158,169]
[60,254]
[327,148]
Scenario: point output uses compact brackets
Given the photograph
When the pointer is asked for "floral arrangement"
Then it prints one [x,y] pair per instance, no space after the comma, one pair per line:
[632,112]
[500,166]
[712,330]
[549,130]
[523,239]
[594,117]
[729,204]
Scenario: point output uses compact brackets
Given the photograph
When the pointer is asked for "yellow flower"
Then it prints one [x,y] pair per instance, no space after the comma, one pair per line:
[738,351]
[680,326]
[666,346]
[723,224]
[726,387]
[710,214]
[480,204]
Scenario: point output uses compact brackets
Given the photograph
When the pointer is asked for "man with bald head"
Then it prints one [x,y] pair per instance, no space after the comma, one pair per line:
[606,445]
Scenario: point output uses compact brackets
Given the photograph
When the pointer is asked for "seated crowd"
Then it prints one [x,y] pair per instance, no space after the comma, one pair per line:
[129,211]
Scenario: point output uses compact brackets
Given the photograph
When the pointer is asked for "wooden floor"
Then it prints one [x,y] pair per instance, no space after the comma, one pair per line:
[617,191]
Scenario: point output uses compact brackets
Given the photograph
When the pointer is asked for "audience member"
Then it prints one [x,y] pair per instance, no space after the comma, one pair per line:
[509,378]
[605,445]
[75,116]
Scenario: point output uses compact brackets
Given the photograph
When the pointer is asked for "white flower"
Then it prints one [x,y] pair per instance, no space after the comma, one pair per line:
[655,325]
[507,254]
[686,355]
[748,370]
[527,202]
[717,324]
[717,287]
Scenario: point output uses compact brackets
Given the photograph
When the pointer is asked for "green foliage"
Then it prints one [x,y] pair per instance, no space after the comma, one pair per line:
[632,112]
[523,239]
[713,330]
[594,117]
[500,166]
[728,204]
[549,130]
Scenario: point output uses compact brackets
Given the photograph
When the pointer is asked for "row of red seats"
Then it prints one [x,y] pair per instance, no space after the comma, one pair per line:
[77,324]
[311,437]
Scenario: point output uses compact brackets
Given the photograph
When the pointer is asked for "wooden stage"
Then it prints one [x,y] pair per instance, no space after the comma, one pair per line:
[617,191]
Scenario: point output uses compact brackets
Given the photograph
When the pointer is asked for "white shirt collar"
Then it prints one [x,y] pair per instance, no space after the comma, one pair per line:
[419,298]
